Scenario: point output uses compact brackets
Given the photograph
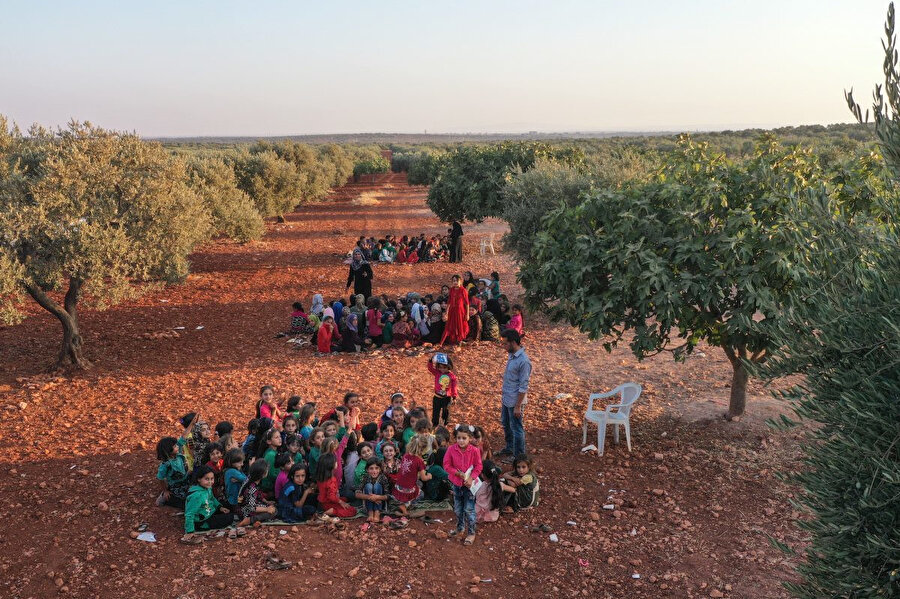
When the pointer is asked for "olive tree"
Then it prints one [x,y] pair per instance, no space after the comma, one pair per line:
[273,184]
[698,254]
[231,211]
[87,215]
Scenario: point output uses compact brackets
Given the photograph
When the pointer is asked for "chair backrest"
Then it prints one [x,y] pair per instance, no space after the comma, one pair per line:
[629,393]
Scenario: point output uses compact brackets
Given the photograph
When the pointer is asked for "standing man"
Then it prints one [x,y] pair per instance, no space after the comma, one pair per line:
[456,234]
[515,390]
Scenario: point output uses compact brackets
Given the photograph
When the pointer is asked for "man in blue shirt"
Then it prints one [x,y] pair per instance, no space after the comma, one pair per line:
[515,390]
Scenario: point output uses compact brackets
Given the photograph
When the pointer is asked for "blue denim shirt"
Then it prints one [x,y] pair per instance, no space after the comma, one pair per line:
[516,377]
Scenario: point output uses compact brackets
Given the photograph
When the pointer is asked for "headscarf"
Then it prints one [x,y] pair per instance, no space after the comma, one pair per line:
[358,259]
[435,314]
[359,304]
[317,305]
[328,312]
[338,311]
[351,323]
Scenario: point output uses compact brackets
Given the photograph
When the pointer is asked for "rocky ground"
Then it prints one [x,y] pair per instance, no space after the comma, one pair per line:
[695,502]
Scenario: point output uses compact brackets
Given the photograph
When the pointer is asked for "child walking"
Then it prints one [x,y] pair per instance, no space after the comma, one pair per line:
[445,388]
[463,465]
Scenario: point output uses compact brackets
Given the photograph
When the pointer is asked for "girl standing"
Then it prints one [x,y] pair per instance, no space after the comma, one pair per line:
[457,327]
[463,465]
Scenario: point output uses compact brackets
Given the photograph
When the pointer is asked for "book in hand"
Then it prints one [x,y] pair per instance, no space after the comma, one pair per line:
[476,484]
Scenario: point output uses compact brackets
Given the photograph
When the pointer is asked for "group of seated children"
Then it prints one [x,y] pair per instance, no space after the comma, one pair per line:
[407,321]
[294,466]
[404,250]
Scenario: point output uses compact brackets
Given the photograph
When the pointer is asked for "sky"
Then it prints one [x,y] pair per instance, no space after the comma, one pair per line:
[208,68]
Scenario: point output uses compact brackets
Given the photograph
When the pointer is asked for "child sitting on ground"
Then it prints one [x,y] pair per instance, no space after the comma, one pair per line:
[515,322]
[254,507]
[173,472]
[525,484]
[397,401]
[294,501]
[373,490]
[327,481]
[202,511]
[328,337]
[411,470]
[489,497]
[233,478]
[283,462]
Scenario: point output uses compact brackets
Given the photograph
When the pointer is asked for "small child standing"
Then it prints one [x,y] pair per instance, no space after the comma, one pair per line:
[445,388]
[463,465]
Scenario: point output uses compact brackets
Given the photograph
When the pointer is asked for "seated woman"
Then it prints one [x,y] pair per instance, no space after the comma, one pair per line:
[351,340]
[401,255]
[412,257]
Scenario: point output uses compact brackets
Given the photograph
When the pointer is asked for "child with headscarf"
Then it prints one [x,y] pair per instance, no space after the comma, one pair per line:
[351,340]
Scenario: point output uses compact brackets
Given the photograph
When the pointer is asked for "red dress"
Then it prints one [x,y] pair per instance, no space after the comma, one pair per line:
[329,500]
[457,327]
[405,487]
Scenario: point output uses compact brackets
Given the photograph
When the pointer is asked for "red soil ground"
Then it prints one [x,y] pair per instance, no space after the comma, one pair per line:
[695,501]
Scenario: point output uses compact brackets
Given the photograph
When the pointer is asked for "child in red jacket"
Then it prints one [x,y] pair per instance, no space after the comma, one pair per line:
[327,336]
[463,465]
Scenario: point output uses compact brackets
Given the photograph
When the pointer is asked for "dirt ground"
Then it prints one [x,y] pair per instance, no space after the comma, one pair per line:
[695,501]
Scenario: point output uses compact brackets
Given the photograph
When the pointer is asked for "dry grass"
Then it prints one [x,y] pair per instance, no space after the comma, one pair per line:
[367,198]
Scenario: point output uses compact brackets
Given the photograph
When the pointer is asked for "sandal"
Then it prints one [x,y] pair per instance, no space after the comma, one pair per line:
[398,524]
[191,540]
[469,540]
[453,533]
[274,563]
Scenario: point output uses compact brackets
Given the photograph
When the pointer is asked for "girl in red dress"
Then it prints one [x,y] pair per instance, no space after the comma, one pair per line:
[327,484]
[457,327]
[410,471]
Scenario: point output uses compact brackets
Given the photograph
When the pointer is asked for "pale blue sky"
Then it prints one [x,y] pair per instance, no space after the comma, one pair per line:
[206,67]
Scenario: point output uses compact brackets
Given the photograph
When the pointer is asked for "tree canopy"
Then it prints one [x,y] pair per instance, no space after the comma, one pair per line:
[90,213]
[701,253]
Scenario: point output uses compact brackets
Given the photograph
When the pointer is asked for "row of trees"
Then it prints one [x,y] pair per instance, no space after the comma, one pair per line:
[786,258]
[88,215]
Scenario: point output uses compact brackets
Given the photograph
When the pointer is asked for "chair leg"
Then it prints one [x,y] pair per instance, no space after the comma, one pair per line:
[584,434]
[601,437]
[628,434]
[492,249]
[616,433]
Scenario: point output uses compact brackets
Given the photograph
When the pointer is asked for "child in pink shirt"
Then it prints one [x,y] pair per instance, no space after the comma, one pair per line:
[462,461]
[515,322]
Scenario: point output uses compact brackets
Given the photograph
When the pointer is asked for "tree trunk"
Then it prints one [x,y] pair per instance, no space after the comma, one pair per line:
[71,351]
[739,379]
[738,391]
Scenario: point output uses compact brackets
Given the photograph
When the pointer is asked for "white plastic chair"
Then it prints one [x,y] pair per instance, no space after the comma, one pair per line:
[615,414]
[487,242]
